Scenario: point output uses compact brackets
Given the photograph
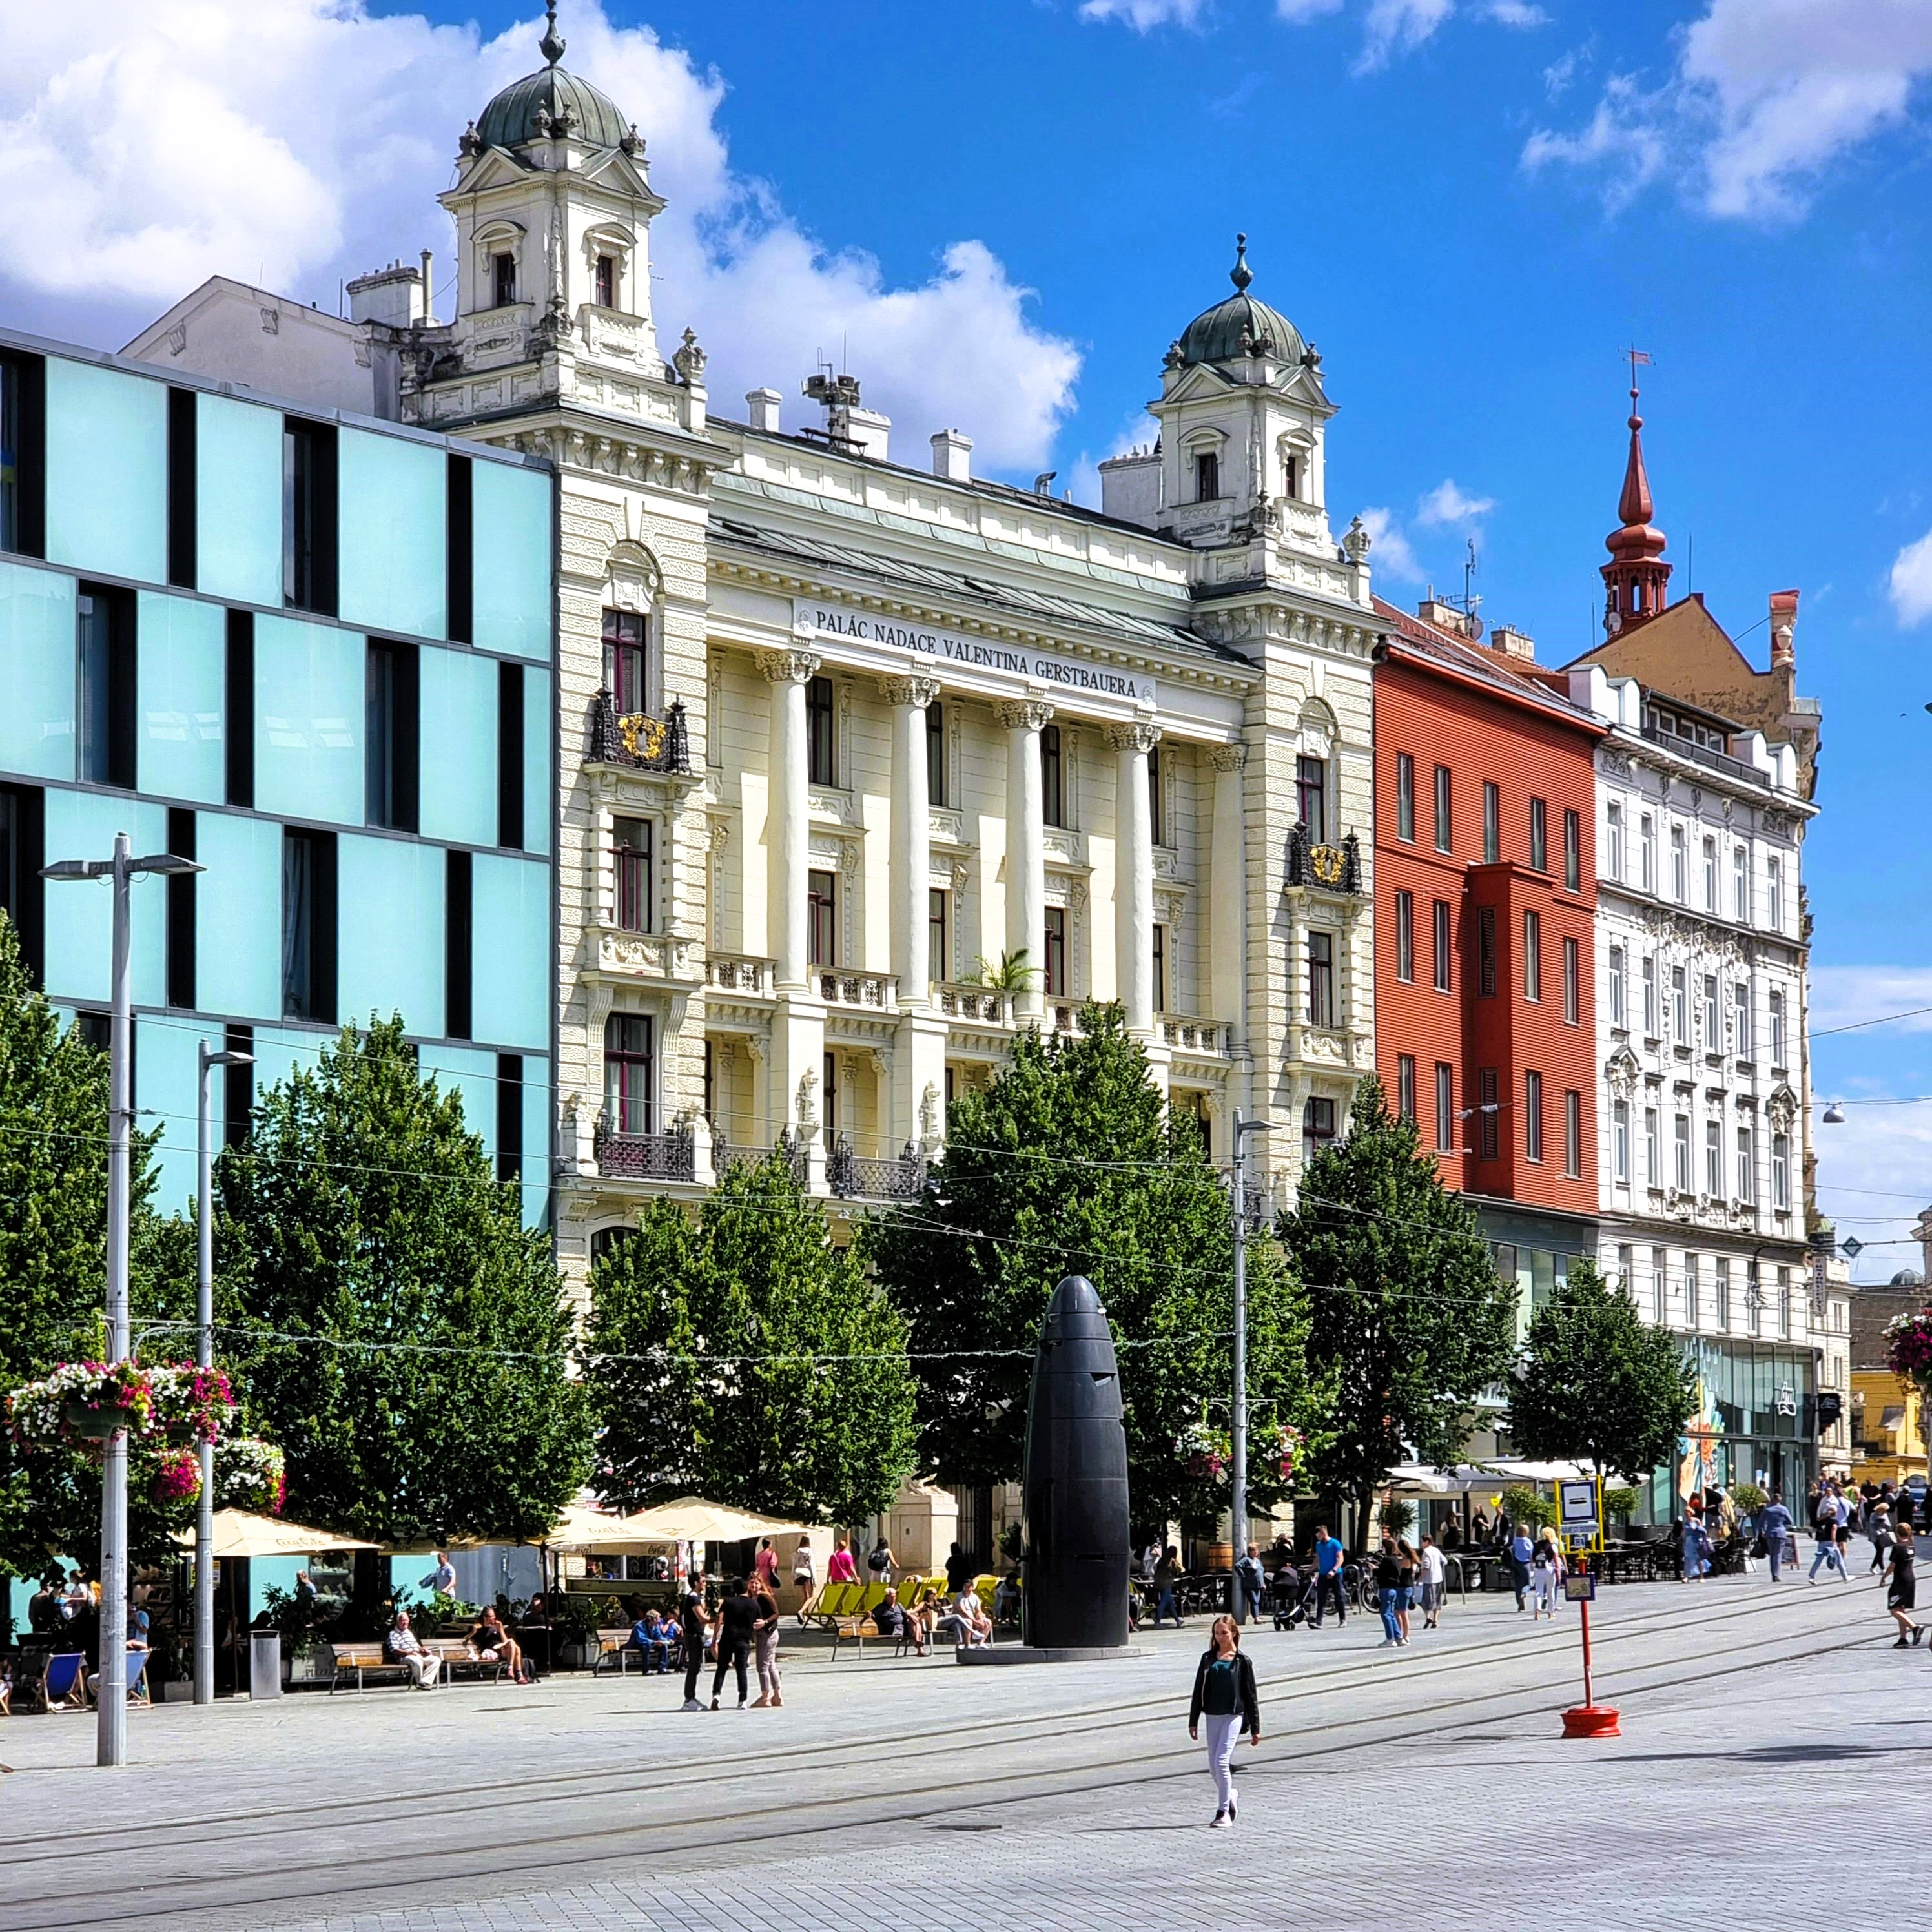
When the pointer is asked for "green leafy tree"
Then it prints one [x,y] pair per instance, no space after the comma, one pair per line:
[53,1221]
[406,1341]
[747,1358]
[1597,1384]
[1069,1162]
[1410,1317]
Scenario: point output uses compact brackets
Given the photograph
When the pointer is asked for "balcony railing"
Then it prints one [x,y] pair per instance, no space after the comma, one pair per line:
[878,990]
[669,1156]
[1192,1036]
[645,743]
[958,1000]
[1333,868]
[726,1154]
[740,972]
[852,1177]
[1703,754]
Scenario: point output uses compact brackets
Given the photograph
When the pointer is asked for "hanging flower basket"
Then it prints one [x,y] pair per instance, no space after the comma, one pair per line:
[177,1478]
[81,1403]
[249,1474]
[191,1404]
[1908,1346]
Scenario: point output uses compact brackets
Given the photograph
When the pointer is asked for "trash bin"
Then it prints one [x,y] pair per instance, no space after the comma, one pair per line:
[265,1663]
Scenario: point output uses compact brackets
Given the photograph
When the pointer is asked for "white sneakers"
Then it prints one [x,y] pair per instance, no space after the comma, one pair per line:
[1222,1821]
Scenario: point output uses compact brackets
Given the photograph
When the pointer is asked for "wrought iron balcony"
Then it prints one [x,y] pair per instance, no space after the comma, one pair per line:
[853,1177]
[1333,868]
[671,1156]
[727,1154]
[646,744]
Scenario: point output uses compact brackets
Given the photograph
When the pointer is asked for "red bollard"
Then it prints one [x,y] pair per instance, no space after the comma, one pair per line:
[1588,1719]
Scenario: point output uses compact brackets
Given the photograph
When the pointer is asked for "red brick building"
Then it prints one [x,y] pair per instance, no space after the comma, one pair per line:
[1485,897]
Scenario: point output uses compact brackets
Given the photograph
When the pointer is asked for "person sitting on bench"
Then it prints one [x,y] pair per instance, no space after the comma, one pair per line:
[648,1639]
[405,1648]
[890,1619]
[493,1644]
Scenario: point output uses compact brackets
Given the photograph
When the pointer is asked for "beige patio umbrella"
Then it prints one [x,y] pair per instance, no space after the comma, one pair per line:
[580,1528]
[242,1533]
[692,1519]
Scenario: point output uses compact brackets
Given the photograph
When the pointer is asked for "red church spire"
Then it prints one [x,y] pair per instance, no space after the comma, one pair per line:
[1636,577]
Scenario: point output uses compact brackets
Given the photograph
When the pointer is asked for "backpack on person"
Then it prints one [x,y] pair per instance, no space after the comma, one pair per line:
[878,1561]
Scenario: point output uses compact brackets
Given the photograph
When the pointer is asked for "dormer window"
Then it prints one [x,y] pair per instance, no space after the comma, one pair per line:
[502,280]
[607,281]
[1207,477]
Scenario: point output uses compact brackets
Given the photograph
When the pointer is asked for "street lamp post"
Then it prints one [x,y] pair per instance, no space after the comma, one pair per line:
[204,1316]
[111,1728]
[1238,1516]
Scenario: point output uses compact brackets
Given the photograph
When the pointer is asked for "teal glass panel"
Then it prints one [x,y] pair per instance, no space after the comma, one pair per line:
[536,1141]
[181,696]
[539,799]
[37,669]
[237,916]
[393,533]
[510,510]
[238,500]
[472,1076]
[282,1051]
[107,471]
[390,921]
[459,747]
[510,914]
[166,1076]
[80,913]
[311,684]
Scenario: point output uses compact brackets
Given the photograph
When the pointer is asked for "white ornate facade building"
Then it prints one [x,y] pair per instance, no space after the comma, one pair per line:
[837,736]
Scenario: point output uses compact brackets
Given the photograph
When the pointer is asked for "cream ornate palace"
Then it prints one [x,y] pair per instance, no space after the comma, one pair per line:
[865,767]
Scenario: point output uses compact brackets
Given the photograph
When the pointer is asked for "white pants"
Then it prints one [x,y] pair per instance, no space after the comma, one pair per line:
[422,1670]
[1223,1734]
[1544,1583]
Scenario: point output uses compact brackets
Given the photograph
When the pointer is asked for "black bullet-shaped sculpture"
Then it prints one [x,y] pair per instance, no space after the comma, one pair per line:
[1076,1480]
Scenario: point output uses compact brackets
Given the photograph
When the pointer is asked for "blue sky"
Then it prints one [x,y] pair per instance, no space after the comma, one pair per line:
[1006,210]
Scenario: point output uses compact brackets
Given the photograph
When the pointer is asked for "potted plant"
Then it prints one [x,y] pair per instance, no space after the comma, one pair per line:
[302,1632]
[1398,1516]
[1523,1504]
[578,1617]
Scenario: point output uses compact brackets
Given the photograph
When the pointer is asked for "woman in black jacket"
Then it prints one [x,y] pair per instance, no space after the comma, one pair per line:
[1224,1693]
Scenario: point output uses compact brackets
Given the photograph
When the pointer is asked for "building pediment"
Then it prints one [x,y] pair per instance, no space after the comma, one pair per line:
[494,168]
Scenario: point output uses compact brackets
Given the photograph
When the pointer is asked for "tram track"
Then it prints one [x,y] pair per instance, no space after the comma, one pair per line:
[70,1897]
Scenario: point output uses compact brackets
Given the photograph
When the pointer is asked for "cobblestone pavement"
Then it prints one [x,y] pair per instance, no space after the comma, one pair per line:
[1766,1732]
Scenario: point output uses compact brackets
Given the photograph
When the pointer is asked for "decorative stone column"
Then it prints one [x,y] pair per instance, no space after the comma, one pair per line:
[912,835]
[1133,872]
[1025,719]
[788,811]
[1227,894]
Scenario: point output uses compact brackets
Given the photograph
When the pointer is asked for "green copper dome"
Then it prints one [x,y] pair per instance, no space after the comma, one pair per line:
[512,119]
[1216,335]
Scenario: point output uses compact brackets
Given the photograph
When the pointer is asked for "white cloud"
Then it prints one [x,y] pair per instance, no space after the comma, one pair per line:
[1393,27]
[1766,95]
[1144,16]
[1446,504]
[1389,552]
[1842,996]
[1911,583]
[299,142]
[1515,13]
[1559,74]
[1296,11]
[1875,1166]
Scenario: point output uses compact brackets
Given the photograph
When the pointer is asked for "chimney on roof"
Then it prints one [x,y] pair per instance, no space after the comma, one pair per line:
[953,456]
[1512,642]
[761,409]
[393,296]
[1432,610]
[1783,622]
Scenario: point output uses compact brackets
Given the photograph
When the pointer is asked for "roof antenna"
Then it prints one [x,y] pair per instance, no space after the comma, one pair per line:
[552,44]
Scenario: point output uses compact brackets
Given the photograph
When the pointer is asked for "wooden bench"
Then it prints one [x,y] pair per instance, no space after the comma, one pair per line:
[616,1644]
[456,1655]
[358,1660]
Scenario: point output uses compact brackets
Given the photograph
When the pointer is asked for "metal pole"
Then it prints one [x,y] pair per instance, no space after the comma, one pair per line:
[1239,1513]
[111,1724]
[204,1315]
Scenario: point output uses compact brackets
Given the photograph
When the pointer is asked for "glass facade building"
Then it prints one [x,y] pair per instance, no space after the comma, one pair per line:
[316,655]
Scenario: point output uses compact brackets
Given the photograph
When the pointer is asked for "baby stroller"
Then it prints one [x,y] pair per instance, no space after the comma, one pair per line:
[1291,1597]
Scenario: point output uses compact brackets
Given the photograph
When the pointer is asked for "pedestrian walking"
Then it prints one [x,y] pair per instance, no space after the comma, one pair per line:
[696,1621]
[1545,1573]
[1404,1552]
[803,1580]
[1827,1554]
[1434,1568]
[882,1562]
[1388,1591]
[1328,1576]
[765,1565]
[1224,1694]
[841,1569]
[1252,1580]
[765,1642]
[737,1617]
[1166,1581]
[1774,1530]
[1520,1552]
[1878,1527]
[1901,1590]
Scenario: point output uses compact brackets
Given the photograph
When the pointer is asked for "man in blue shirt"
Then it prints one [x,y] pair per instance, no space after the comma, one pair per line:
[1327,1575]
